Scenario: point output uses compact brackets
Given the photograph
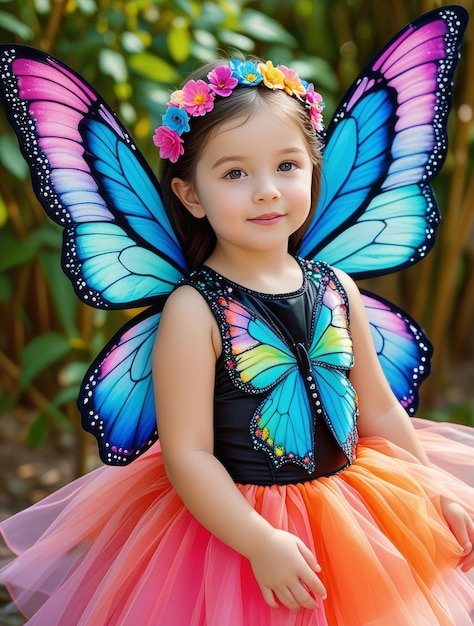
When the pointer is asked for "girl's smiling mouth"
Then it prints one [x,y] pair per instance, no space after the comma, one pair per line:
[267,219]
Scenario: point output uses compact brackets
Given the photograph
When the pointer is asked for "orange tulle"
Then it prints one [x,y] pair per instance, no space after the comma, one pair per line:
[118,548]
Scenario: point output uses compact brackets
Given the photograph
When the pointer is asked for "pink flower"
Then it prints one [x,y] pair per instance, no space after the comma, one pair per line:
[197,98]
[221,80]
[316,117]
[293,84]
[313,97]
[169,143]
[315,100]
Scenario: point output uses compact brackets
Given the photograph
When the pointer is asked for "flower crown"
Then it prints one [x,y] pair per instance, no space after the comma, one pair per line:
[196,98]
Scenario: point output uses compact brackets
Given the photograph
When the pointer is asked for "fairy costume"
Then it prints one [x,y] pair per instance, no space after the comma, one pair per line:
[118,546]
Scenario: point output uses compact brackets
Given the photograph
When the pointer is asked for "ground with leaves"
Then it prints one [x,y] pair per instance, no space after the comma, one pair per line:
[26,476]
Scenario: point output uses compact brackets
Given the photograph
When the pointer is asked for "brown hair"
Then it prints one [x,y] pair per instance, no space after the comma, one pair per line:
[196,235]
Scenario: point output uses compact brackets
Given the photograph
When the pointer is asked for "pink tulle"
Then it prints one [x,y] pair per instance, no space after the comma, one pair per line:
[117,547]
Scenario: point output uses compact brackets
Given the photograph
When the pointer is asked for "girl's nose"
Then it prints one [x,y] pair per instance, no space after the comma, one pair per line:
[266,191]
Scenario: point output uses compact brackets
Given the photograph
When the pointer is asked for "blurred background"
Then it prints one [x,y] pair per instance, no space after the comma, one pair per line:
[134,53]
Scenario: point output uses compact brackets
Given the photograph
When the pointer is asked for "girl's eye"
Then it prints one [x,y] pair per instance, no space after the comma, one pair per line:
[286,166]
[234,174]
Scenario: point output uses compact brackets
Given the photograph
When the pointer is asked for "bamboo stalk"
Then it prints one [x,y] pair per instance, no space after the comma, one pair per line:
[52,27]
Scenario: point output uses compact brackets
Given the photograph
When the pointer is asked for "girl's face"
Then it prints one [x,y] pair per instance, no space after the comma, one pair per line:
[252,182]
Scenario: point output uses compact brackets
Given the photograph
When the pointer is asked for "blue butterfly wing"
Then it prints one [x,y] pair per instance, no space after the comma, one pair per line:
[301,384]
[119,248]
[338,398]
[388,139]
[377,212]
[332,357]
[259,360]
[116,400]
[283,425]
[404,350]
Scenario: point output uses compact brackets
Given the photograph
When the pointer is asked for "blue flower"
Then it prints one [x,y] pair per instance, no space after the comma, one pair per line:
[245,72]
[176,119]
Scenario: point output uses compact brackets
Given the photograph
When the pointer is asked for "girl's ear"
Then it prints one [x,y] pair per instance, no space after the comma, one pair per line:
[187,194]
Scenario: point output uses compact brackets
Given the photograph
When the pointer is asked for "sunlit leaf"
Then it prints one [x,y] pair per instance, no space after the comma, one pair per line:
[88,7]
[179,41]
[71,375]
[43,6]
[204,38]
[190,8]
[13,25]
[318,71]
[236,40]
[202,53]
[212,15]
[11,158]
[132,42]
[260,26]
[128,113]
[151,66]
[113,64]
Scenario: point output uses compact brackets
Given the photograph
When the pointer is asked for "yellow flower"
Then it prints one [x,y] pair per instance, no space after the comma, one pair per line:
[272,76]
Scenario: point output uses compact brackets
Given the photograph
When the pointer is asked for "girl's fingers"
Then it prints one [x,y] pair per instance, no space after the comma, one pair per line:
[310,580]
[309,557]
[296,597]
[269,597]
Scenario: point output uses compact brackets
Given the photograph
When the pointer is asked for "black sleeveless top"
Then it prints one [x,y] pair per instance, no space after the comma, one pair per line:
[284,358]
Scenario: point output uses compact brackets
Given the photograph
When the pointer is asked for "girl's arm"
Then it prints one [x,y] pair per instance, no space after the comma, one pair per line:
[381,415]
[184,357]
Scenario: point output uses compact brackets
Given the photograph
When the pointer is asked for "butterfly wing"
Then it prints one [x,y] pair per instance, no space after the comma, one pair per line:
[387,140]
[283,425]
[300,384]
[404,350]
[377,212]
[119,248]
[116,400]
[259,361]
[331,357]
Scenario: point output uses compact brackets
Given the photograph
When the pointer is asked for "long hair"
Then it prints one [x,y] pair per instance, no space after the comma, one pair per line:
[196,235]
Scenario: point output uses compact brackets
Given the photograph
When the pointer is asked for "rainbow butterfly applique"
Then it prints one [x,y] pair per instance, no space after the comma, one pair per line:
[377,212]
[300,382]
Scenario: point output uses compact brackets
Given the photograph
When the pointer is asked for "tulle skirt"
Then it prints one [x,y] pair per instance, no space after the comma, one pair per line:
[118,548]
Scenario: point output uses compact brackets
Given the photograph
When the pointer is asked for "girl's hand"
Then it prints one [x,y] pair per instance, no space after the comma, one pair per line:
[285,567]
[462,527]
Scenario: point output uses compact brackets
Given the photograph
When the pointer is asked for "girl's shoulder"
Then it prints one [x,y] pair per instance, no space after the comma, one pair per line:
[186,306]
[187,323]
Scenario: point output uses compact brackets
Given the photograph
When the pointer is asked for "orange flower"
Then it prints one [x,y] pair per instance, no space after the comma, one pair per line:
[293,85]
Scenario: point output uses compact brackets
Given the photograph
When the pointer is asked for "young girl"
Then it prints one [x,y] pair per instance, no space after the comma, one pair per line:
[290,487]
